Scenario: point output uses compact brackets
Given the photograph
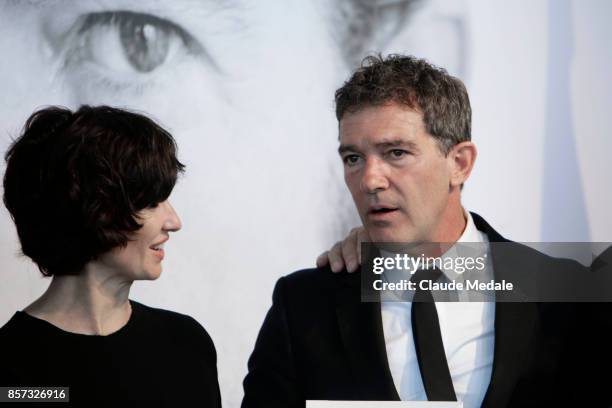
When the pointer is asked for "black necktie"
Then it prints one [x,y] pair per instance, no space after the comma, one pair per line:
[428,341]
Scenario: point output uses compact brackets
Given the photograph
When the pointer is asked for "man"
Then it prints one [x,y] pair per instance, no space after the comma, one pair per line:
[404,132]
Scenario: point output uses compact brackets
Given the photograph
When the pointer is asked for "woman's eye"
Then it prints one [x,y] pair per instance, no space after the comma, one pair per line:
[128,42]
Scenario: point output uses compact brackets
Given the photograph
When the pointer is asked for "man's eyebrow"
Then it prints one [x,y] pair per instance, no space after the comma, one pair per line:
[346,148]
[385,144]
[396,143]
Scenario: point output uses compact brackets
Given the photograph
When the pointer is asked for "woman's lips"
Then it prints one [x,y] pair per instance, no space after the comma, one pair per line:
[159,253]
[158,249]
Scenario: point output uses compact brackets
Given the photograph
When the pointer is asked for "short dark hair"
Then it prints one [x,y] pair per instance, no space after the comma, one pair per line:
[75,181]
[407,80]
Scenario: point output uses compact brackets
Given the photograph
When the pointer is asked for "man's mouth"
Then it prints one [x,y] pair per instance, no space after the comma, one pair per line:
[381,211]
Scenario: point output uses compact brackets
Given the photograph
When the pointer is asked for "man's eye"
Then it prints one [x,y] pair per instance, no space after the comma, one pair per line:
[397,153]
[127,42]
[351,159]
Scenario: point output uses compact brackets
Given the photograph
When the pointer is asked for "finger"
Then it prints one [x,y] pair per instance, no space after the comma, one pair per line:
[349,252]
[335,257]
[362,236]
[322,260]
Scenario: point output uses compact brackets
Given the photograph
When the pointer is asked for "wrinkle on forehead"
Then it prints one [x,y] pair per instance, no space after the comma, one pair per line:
[381,127]
[389,115]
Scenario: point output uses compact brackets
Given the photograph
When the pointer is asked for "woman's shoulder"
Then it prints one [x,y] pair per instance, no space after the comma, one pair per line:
[11,329]
[173,325]
[19,326]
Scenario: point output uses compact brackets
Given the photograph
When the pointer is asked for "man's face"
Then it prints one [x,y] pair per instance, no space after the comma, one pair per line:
[396,172]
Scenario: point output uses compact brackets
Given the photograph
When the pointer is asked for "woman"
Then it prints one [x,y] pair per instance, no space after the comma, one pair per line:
[88,193]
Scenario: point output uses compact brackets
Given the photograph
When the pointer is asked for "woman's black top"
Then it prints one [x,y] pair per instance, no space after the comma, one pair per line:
[158,359]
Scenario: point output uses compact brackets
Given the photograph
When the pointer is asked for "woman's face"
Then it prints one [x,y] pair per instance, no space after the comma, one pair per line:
[141,258]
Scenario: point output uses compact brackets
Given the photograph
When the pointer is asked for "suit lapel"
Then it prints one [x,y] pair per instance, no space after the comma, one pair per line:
[362,334]
[514,326]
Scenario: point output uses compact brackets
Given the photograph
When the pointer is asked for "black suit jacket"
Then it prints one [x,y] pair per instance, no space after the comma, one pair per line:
[318,341]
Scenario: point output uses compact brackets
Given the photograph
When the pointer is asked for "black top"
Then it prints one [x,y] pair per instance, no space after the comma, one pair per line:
[158,359]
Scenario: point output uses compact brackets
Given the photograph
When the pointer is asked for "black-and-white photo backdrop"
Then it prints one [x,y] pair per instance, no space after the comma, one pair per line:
[246,88]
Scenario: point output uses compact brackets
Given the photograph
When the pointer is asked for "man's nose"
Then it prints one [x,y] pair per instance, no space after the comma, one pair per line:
[374,177]
[172,222]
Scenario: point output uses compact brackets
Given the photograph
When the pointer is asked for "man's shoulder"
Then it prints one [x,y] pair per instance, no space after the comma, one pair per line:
[315,286]
[320,279]
[530,255]
[306,299]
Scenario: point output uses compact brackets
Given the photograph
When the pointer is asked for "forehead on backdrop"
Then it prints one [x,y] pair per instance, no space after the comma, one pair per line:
[246,88]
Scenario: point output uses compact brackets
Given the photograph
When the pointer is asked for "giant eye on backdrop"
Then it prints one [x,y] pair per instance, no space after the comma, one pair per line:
[125,42]
[102,53]
[144,41]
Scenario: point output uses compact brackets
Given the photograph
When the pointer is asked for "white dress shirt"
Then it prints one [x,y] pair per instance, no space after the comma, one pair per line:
[467,330]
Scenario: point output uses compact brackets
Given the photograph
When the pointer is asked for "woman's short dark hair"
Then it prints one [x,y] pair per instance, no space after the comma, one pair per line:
[417,84]
[75,182]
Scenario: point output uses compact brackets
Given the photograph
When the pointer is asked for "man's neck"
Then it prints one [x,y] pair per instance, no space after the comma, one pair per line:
[93,302]
[454,223]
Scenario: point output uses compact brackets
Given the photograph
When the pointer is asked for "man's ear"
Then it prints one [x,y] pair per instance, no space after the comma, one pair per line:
[461,160]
